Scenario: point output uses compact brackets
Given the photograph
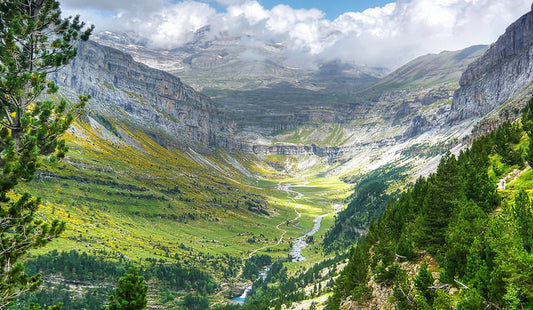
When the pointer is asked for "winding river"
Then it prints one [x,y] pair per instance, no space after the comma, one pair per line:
[240,300]
[299,244]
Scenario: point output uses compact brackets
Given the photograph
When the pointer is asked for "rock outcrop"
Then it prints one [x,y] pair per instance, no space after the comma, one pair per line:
[123,89]
[501,73]
[129,93]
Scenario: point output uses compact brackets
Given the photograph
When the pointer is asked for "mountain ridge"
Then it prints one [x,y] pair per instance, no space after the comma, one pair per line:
[501,73]
[387,266]
[130,91]
[160,102]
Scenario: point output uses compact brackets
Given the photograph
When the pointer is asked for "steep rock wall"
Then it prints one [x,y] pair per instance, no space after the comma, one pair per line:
[159,103]
[153,99]
[503,71]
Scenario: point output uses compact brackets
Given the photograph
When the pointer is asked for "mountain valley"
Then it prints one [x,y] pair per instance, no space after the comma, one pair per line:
[218,179]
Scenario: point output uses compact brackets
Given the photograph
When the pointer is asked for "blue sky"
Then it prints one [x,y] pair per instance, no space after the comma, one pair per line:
[332,8]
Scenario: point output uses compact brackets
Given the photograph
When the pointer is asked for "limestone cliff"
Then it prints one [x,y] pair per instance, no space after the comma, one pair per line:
[150,99]
[126,92]
[501,73]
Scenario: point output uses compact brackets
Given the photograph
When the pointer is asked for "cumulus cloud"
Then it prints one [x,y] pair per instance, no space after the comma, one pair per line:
[403,30]
[228,2]
[384,36]
[176,25]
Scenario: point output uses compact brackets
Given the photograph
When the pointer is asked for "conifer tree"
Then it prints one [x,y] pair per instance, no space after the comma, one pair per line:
[469,299]
[527,124]
[354,277]
[442,301]
[423,281]
[34,41]
[130,293]
[405,246]
[477,274]
[438,202]
[466,225]
[522,213]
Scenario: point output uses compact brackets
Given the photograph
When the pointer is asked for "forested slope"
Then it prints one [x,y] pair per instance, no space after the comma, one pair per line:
[453,239]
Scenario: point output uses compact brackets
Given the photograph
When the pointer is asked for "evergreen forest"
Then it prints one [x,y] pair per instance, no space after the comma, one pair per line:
[453,239]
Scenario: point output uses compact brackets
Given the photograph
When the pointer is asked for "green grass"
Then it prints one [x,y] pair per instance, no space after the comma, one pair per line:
[320,194]
[524,181]
[319,134]
[144,201]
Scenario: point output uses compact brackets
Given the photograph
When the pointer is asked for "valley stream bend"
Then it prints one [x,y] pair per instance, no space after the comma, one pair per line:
[300,243]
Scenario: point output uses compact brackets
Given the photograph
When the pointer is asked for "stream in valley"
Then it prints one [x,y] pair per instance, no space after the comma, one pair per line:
[300,243]
[240,300]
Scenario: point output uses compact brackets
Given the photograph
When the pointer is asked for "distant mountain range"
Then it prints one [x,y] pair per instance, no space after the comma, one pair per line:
[263,96]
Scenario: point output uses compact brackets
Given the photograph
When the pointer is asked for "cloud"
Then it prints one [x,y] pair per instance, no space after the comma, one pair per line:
[116,5]
[176,25]
[384,36]
[228,2]
[398,32]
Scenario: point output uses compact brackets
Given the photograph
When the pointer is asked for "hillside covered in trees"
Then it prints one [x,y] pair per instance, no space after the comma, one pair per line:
[454,239]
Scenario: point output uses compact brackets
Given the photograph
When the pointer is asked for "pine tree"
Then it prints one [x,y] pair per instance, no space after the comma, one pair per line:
[477,184]
[442,301]
[34,41]
[433,220]
[522,213]
[527,124]
[405,246]
[130,293]
[470,299]
[423,281]
[354,277]
[192,302]
[467,224]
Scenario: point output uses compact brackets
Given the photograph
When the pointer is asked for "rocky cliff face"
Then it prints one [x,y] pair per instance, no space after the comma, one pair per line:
[256,87]
[501,73]
[400,107]
[125,90]
[159,104]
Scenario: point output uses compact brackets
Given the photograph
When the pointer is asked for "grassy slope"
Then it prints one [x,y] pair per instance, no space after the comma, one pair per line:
[140,200]
[430,70]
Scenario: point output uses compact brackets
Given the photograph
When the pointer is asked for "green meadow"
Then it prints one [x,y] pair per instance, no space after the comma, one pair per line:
[141,201]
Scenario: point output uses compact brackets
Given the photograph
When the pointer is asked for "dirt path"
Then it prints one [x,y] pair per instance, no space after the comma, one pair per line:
[286,188]
[283,232]
[511,177]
